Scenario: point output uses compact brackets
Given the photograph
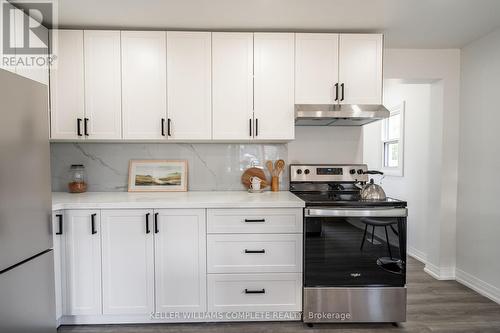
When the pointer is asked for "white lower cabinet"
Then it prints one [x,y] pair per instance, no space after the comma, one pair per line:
[122,265]
[254,253]
[127,261]
[58,246]
[255,292]
[82,237]
[180,260]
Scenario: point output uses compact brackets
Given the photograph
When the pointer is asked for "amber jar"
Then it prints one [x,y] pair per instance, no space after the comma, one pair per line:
[77,183]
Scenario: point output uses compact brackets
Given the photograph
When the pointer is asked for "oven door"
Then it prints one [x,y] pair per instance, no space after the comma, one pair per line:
[354,247]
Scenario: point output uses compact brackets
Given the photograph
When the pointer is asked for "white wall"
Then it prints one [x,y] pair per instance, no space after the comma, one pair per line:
[442,66]
[478,214]
[326,145]
[414,186]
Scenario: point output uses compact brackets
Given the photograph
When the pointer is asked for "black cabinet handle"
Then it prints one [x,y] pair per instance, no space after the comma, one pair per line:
[92,223]
[336,91]
[147,223]
[343,90]
[256,126]
[250,123]
[79,126]
[156,224]
[162,126]
[255,220]
[255,251]
[262,291]
[86,126]
[169,126]
[60,222]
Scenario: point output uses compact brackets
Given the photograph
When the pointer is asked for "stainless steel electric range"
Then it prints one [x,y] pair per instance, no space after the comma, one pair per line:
[354,250]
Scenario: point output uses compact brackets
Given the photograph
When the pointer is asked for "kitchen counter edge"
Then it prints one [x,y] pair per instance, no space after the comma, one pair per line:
[166,200]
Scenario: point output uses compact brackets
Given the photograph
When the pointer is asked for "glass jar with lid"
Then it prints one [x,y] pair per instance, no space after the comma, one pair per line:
[77,182]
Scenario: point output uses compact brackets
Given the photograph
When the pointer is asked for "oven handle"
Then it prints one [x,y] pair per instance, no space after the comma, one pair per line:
[355,212]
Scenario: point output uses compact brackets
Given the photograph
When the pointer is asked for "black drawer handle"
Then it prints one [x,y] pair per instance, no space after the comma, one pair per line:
[255,220]
[60,222]
[262,291]
[255,251]
[147,223]
[92,223]
[86,126]
[79,126]
[156,224]
[163,126]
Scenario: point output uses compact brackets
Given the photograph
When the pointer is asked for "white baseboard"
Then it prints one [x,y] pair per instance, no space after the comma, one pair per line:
[478,285]
[440,273]
[417,254]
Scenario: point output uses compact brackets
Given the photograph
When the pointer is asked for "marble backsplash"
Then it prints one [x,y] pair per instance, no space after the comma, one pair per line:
[212,166]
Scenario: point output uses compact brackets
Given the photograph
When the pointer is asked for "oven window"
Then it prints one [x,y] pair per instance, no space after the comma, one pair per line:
[339,253]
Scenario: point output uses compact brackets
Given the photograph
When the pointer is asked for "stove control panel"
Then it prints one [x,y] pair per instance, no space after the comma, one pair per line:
[328,173]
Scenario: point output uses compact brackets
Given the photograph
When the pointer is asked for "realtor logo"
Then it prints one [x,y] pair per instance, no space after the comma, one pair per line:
[25,41]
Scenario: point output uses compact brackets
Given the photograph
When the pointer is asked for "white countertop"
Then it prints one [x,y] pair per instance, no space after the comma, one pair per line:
[193,199]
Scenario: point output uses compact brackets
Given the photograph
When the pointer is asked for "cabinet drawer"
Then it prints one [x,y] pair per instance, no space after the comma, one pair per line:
[262,220]
[254,253]
[254,292]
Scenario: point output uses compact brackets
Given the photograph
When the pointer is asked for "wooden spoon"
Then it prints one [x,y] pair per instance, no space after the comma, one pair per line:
[279,166]
[269,165]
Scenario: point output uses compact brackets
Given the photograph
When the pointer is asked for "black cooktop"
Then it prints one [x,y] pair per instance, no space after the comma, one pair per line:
[345,200]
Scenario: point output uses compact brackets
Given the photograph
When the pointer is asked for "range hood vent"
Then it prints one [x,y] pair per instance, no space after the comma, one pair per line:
[338,115]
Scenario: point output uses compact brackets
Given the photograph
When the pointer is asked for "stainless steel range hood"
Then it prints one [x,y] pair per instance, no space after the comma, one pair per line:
[338,115]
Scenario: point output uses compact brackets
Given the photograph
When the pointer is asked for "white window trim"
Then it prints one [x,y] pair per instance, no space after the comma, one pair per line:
[399,171]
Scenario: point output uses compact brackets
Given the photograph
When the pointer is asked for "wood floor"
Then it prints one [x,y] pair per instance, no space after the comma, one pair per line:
[433,306]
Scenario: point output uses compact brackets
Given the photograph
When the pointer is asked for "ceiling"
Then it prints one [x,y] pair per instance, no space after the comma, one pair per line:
[405,23]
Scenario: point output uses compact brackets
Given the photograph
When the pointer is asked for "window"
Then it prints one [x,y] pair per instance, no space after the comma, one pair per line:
[392,141]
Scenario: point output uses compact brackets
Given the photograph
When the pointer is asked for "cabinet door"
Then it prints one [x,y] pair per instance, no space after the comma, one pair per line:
[6,8]
[144,80]
[39,71]
[189,91]
[274,86]
[83,262]
[58,245]
[360,68]
[127,261]
[103,84]
[232,85]
[316,68]
[67,85]
[180,260]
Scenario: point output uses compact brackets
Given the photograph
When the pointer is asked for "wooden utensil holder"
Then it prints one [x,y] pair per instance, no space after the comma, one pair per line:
[275,184]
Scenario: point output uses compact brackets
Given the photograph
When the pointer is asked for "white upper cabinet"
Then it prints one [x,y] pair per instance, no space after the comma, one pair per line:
[127,261]
[189,91]
[360,68]
[144,84]
[232,85]
[274,86]
[39,71]
[316,68]
[180,260]
[82,237]
[67,85]
[103,84]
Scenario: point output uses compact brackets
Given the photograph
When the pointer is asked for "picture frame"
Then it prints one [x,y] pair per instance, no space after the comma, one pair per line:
[157,176]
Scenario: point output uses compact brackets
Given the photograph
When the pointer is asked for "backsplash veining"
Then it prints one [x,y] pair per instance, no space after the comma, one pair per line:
[212,167]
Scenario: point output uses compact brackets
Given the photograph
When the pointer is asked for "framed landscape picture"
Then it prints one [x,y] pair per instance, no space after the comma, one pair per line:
[157,176]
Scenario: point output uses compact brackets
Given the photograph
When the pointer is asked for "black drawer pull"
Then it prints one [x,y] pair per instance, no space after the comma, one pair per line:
[60,221]
[147,223]
[255,251]
[156,223]
[79,126]
[262,291]
[92,223]
[255,220]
